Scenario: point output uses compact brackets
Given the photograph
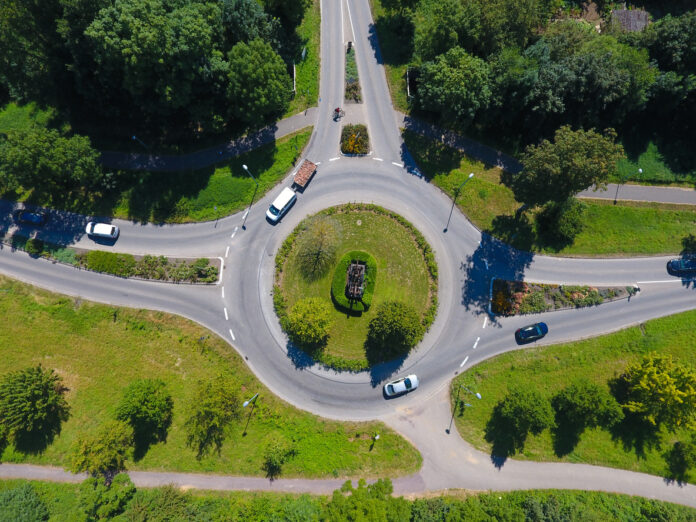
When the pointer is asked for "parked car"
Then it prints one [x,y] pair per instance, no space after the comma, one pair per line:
[102,230]
[281,204]
[400,386]
[530,333]
[35,218]
[682,266]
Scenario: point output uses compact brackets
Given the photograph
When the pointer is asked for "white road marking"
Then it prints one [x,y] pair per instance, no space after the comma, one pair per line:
[397,164]
[226,316]
[351,22]
[234,232]
[485,321]
[227,251]
[378,159]
[665,281]
[464,361]
[476,343]
[333,159]
[232,335]
[318,163]
[223,292]
[222,269]
[246,213]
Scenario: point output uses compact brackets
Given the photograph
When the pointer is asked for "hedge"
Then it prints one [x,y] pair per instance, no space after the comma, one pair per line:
[338,286]
[149,267]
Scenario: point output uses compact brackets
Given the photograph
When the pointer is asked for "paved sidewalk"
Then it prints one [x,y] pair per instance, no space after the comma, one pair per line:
[676,195]
[207,157]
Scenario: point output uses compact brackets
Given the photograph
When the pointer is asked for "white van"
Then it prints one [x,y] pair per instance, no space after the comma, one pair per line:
[281,204]
[102,230]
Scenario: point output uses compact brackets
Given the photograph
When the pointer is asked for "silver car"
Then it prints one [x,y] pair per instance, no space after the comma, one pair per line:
[400,386]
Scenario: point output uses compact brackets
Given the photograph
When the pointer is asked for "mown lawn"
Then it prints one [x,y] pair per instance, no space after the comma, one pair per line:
[99,350]
[307,70]
[549,369]
[401,275]
[656,171]
[629,228]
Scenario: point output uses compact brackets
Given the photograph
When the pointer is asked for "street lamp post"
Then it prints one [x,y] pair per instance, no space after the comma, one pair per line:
[251,401]
[456,403]
[454,200]
[135,138]
[623,181]
[252,196]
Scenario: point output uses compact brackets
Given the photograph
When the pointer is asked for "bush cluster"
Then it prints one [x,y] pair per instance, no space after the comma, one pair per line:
[352,80]
[338,285]
[393,331]
[561,222]
[149,267]
[354,139]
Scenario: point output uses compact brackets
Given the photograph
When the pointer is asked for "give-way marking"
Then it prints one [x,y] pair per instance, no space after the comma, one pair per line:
[464,361]
[476,343]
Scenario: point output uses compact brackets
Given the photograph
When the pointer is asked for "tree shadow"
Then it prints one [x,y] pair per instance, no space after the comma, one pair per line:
[383,371]
[502,436]
[678,464]
[146,436]
[300,358]
[566,437]
[688,245]
[34,443]
[395,32]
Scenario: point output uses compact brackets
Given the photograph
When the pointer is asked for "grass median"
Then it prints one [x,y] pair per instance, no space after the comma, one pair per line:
[629,228]
[98,350]
[547,370]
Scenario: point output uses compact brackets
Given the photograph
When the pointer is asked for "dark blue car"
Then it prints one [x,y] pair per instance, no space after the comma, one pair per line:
[683,266]
[36,218]
[530,333]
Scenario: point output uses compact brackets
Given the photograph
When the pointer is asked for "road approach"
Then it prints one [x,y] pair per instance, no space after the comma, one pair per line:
[240,308]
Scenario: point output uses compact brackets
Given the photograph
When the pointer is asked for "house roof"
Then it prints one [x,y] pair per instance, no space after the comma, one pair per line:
[630,19]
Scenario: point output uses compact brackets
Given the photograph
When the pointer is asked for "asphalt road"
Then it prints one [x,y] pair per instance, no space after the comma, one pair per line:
[240,309]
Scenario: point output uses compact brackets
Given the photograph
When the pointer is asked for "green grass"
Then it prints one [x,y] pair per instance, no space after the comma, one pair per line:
[629,228]
[547,369]
[655,170]
[307,70]
[15,117]
[401,275]
[99,350]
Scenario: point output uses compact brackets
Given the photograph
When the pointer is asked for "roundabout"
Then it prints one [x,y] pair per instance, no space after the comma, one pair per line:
[241,308]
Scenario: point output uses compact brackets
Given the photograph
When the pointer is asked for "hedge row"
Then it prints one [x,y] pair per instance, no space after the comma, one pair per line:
[149,267]
[338,286]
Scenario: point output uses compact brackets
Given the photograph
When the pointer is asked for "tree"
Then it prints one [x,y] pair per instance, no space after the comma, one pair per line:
[671,41]
[245,20]
[658,391]
[578,406]
[561,221]
[454,85]
[441,25]
[147,406]
[22,504]
[521,412]
[214,406]
[308,322]
[32,407]
[291,13]
[574,161]
[276,454]
[104,452]
[101,500]
[316,249]
[56,166]
[259,85]
[393,331]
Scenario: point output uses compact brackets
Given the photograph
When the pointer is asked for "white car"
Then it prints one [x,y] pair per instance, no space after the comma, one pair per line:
[102,230]
[400,386]
[281,204]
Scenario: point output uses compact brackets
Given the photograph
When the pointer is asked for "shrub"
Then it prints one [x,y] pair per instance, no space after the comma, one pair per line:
[395,329]
[561,221]
[32,406]
[104,452]
[101,500]
[338,285]
[22,504]
[316,249]
[160,504]
[151,267]
[354,139]
[34,246]
[147,406]
[533,303]
[276,454]
[308,323]
[122,265]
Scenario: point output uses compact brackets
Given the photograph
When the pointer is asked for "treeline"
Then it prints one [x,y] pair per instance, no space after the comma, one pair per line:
[520,70]
[120,500]
[158,68]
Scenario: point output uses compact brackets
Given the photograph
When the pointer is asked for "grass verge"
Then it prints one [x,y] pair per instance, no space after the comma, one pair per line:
[99,350]
[402,275]
[655,170]
[307,70]
[546,369]
[630,228]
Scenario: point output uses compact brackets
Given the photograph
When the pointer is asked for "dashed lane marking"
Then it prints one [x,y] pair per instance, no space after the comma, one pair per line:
[223,292]
[333,159]
[246,213]
[234,232]
[485,321]
[397,164]
[232,335]
[464,361]
[227,251]
[476,343]
[378,159]
[226,316]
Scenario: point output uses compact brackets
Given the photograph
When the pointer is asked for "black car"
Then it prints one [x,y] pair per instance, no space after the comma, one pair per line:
[35,218]
[530,333]
[683,266]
